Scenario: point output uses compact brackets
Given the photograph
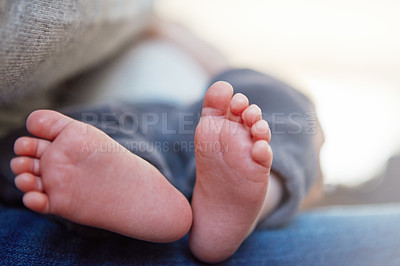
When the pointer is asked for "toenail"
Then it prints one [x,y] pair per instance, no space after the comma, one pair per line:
[36,166]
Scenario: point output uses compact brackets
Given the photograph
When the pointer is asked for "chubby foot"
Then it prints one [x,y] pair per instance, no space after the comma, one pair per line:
[76,171]
[233,161]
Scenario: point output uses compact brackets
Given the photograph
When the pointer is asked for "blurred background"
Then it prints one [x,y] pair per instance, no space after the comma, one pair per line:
[344,54]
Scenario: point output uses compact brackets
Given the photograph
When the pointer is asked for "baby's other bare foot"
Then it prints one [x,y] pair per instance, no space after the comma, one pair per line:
[233,161]
[63,172]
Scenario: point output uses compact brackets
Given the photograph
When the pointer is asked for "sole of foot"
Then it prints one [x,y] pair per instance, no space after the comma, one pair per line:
[233,161]
[76,171]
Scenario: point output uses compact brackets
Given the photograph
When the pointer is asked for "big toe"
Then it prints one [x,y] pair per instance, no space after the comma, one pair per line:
[217,99]
[47,124]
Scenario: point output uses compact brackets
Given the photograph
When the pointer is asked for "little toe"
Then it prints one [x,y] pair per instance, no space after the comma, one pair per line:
[36,201]
[27,182]
[33,147]
[47,124]
[21,165]
[217,99]
[262,153]
[251,115]
[260,131]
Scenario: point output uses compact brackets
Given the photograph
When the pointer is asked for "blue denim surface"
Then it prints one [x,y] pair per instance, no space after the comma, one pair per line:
[334,236]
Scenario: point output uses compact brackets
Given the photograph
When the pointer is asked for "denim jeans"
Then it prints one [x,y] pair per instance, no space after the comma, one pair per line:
[366,235]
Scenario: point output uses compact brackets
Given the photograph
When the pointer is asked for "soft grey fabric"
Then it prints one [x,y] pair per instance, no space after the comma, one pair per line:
[43,42]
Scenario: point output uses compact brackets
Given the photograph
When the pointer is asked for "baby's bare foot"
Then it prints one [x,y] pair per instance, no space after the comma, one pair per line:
[64,172]
[233,161]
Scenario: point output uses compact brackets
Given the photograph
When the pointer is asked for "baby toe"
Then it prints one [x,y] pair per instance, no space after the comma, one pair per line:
[217,99]
[262,153]
[47,124]
[260,131]
[238,104]
[21,165]
[27,182]
[36,201]
[251,115]
[33,147]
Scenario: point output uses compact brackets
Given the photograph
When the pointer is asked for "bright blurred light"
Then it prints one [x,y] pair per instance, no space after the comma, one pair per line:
[360,124]
[345,54]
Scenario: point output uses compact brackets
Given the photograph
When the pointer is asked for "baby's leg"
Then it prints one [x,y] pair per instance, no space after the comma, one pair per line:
[76,171]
